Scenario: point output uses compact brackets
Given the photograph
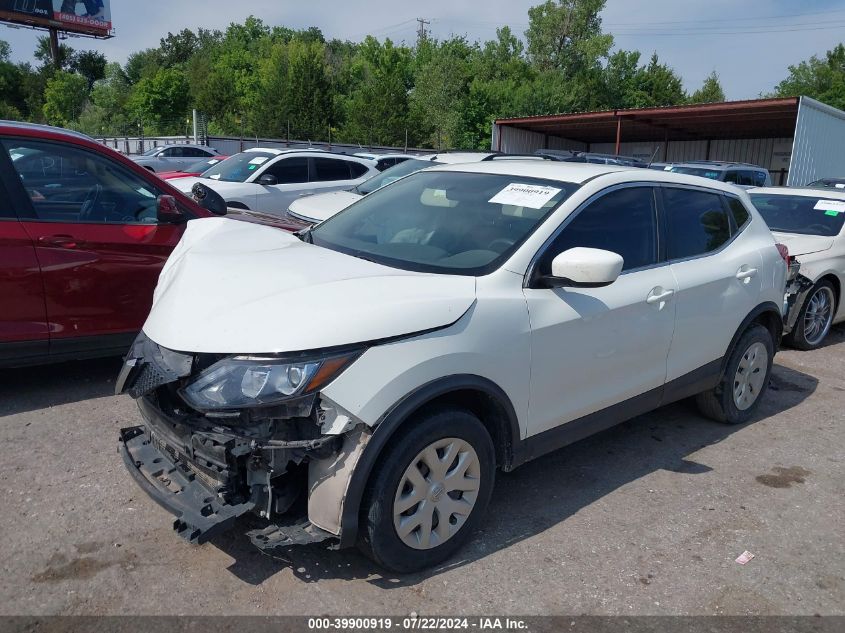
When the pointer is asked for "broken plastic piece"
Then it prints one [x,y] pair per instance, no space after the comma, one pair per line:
[744,557]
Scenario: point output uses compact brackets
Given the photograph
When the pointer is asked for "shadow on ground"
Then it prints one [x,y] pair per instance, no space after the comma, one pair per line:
[33,388]
[542,493]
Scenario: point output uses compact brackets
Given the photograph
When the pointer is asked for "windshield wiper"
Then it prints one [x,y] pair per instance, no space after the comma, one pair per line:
[305,236]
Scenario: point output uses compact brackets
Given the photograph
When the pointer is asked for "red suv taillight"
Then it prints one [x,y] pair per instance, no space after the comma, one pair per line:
[784,252]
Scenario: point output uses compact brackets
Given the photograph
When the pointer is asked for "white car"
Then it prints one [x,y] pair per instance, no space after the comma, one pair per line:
[309,210]
[385,161]
[381,366]
[173,157]
[810,223]
[268,180]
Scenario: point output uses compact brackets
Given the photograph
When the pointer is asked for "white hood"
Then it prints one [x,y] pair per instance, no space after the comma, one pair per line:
[323,205]
[803,244]
[185,184]
[234,287]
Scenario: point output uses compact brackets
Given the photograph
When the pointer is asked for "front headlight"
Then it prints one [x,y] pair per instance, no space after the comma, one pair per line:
[242,382]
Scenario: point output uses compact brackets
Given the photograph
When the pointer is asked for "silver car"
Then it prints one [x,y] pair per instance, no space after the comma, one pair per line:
[173,157]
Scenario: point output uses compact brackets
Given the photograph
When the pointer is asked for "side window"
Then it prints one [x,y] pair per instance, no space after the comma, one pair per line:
[328,169]
[760,178]
[732,177]
[739,211]
[195,152]
[697,222]
[290,171]
[171,152]
[69,184]
[357,170]
[746,178]
[623,221]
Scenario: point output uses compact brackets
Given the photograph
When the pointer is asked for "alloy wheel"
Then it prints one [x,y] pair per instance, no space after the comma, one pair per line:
[818,316]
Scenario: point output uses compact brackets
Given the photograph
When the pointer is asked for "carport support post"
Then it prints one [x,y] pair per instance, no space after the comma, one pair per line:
[618,134]
[54,48]
[196,137]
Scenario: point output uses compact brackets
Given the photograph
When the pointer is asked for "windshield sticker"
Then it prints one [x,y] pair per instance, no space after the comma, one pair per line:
[215,177]
[833,213]
[667,168]
[522,195]
[258,160]
[252,167]
[840,185]
[830,205]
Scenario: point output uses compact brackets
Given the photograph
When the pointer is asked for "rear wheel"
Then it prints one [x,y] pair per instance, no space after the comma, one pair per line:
[746,378]
[815,318]
[429,493]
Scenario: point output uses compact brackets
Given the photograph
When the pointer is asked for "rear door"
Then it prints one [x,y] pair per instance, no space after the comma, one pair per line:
[23,317]
[718,272]
[100,256]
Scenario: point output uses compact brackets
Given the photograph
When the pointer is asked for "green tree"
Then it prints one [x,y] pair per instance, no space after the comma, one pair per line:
[309,100]
[376,108]
[161,101]
[45,56]
[91,65]
[64,97]
[710,91]
[566,35]
[822,79]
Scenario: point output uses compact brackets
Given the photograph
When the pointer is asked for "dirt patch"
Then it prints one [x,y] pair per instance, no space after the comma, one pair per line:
[784,477]
[60,568]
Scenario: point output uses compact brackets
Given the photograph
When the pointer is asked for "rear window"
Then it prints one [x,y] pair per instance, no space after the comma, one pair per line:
[697,222]
[801,214]
[712,174]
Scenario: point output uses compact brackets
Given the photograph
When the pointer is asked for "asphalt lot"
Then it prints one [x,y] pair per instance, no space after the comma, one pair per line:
[646,518]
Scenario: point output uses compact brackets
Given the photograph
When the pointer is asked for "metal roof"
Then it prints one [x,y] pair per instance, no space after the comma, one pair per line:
[758,118]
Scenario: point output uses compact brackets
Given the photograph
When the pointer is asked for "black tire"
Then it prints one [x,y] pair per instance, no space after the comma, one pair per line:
[718,403]
[379,538]
[797,338]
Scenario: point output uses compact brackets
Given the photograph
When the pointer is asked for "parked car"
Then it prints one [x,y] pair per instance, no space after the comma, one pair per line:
[384,161]
[378,368]
[575,156]
[740,174]
[193,169]
[827,183]
[173,157]
[810,223]
[83,236]
[309,210]
[268,180]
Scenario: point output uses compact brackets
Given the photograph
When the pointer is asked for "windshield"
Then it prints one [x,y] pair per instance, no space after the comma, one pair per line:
[239,167]
[390,175]
[801,214]
[152,152]
[712,174]
[444,222]
[201,166]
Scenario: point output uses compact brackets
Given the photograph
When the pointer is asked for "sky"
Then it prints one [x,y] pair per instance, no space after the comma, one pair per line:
[749,43]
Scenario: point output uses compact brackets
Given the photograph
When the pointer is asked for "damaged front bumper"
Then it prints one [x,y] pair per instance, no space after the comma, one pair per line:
[208,471]
[797,290]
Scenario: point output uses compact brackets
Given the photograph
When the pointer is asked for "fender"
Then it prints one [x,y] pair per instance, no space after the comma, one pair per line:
[761,309]
[393,420]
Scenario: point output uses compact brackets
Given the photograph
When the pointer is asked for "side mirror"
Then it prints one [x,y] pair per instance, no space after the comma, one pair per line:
[584,268]
[168,211]
[268,180]
[208,199]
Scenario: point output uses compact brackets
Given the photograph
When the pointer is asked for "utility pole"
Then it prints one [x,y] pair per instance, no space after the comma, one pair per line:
[421,31]
[55,51]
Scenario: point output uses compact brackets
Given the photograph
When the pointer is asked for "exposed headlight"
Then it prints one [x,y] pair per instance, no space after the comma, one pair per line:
[242,382]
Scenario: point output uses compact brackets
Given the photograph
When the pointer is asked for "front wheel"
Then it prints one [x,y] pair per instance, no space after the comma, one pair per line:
[430,491]
[815,318]
[746,378]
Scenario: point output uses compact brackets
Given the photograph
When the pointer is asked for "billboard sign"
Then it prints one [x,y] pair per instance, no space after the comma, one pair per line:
[89,17]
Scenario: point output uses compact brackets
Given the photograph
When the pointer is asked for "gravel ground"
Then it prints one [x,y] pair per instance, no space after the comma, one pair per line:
[646,518]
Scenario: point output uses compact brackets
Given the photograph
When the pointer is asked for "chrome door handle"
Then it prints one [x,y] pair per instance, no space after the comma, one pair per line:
[60,241]
[658,295]
[746,273]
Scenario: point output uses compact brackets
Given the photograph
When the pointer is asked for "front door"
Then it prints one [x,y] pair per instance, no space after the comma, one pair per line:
[595,347]
[100,252]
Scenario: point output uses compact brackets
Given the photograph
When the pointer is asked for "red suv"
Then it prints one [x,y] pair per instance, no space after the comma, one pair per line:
[84,233]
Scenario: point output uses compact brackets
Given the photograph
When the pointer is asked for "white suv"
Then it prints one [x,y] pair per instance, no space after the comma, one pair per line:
[363,381]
